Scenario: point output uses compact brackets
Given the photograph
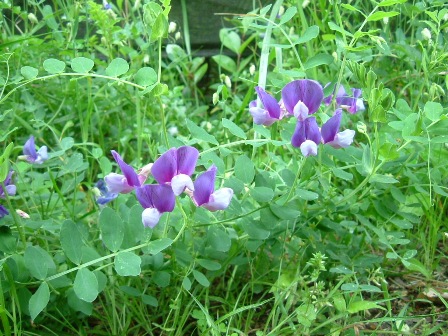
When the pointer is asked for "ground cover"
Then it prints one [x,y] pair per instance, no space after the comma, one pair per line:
[293,183]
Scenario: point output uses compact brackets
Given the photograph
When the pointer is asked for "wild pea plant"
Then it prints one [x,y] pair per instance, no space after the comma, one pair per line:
[274,211]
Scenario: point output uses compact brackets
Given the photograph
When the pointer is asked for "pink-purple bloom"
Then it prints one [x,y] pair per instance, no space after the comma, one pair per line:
[33,156]
[103,194]
[7,188]
[306,136]
[118,183]
[175,168]
[269,113]
[352,104]
[205,195]
[302,94]
[331,135]
[156,199]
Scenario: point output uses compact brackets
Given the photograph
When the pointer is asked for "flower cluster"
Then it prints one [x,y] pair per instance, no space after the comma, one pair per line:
[301,99]
[172,171]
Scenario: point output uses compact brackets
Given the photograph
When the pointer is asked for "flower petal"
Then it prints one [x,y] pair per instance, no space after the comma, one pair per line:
[165,167]
[3,211]
[308,148]
[159,196]
[180,182]
[308,91]
[299,135]
[342,139]
[269,102]
[301,111]
[204,186]
[187,157]
[29,149]
[219,200]
[150,217]
[42,155]
[261,116]
[331,127]
[312,130]
[131,176]
[117,183]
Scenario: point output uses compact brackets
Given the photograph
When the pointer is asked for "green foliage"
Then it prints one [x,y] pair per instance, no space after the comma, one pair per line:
[307,246]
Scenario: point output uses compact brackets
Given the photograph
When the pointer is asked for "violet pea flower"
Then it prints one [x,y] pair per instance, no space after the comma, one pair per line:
[331,135]
[7,189]
[102,193]
[33,156]
[306,136]
[175,167]
[352,104]
[269,113]
[302,97]
[3,211]
[156,199]
[205,195]
[117,183]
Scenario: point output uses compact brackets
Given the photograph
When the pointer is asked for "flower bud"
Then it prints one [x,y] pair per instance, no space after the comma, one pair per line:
[362,128]
[281,11]
[172,27]
[177,36]
[228,82]
[305,3]
[426,34]
[215,98]
[252,69]
[32,18]
[385,20]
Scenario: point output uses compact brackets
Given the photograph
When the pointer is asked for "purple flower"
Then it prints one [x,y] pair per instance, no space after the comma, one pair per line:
[33,156]
[331,135]
[175,167]
[269,113]
[352,104]
[156,199]
[205,195]
[9,189]
[117,183]
[106,5]
[3,211]
[302,97]
[306,136]
[102,193]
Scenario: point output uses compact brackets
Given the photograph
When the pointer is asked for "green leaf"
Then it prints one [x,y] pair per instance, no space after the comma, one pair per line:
[82,64]
[201,278]
[79,305]
[385,3]
[160,27]
[71,241]
[309,34]
[29,72]
[225,62]
[416,266]
[186,283]
[176,53]
[288,15]
[4,162]
[254,230]
[112,229]
[54,66]
[67,143]
[316,60]
[150,300]
[306,194]
[209,264]
[262,194]
[127,264]
[161,278]
[218,239]
[117,67]
[159,245]
[86,285]
[39,300]
[433,110]
[134,229]
[200,133]
[379,178]
[233,128]
[358,306]
[145,76]
[230,39]
[38,262]
[381,15]
[244,169]
[335,27]
[284,212]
